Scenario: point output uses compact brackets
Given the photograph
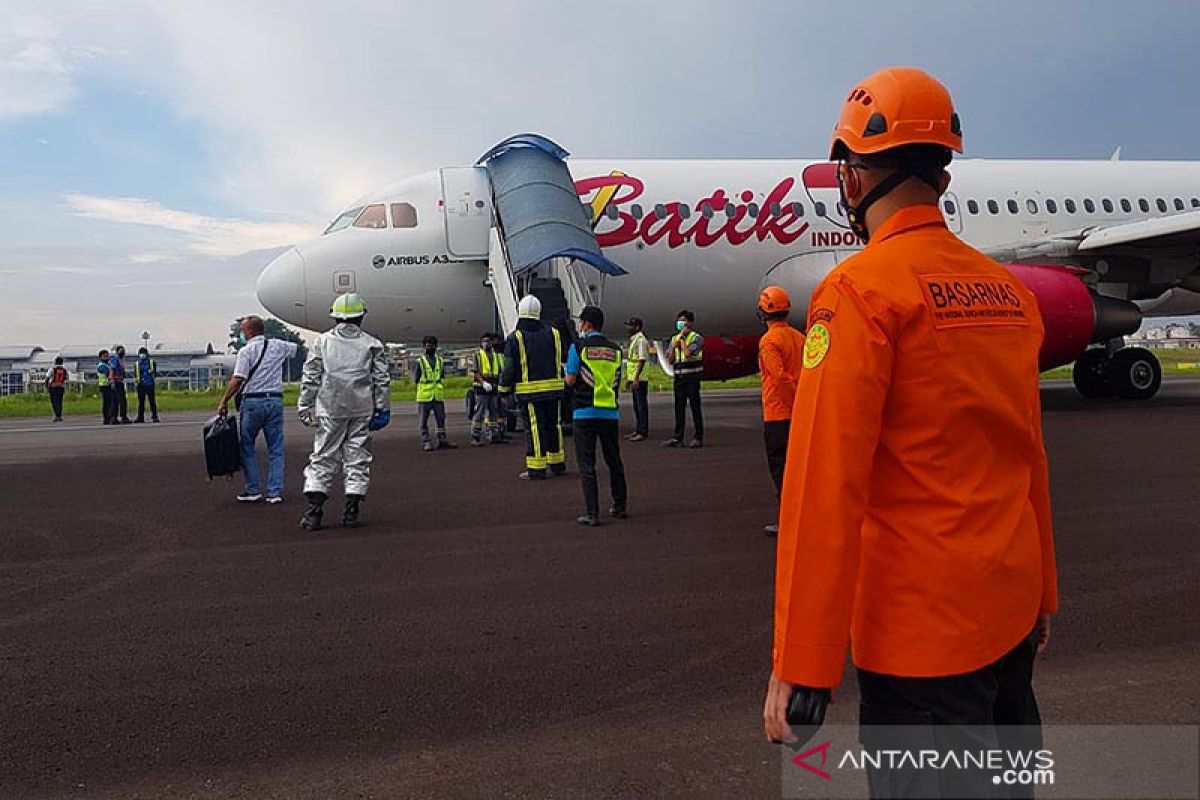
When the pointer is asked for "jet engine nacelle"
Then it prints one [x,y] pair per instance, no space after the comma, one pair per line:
[728,357]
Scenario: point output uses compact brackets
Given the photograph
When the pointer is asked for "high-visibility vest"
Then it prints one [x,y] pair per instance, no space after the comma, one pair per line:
[102,374]
[599,373]
[487,362]
[430,387]
[687,363]
[150,374]
[632,363]
[527,387]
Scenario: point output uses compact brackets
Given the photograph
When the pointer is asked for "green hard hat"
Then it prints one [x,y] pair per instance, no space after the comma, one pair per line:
[347,306]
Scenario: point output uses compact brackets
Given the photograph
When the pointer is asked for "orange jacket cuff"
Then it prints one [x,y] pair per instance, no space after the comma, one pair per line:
[816,666]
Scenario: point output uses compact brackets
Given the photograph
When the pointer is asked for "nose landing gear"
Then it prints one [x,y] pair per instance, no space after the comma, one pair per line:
[1132,373]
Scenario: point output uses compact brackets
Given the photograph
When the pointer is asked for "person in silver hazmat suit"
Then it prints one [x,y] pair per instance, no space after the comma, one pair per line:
[344,395]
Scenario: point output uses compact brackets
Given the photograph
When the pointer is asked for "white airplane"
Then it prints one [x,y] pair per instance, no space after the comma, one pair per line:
[1101,244]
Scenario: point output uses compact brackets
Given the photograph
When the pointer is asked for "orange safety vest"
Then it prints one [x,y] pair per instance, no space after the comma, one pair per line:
[779,355]
[915,518]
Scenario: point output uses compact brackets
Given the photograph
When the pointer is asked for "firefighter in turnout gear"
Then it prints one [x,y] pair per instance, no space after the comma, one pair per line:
[343,394]
[486,413]
[533,367]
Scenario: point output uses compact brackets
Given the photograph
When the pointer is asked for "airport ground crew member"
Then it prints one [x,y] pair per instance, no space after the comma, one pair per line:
[117,376]
[686,355]
[916,508]
[104,383]
[533,367]
[485,416]
[780,351]
[594,369]
[344,394]
[635,375]
[428,373]
[56,387]
[146,375]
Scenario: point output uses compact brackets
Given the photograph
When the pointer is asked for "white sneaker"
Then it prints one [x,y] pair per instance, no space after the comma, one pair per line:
[274,500]
[247,497]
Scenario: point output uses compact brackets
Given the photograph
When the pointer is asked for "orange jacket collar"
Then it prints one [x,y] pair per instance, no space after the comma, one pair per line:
[906,219]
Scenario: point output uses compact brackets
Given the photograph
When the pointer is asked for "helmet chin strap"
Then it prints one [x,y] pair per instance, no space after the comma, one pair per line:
[856,215]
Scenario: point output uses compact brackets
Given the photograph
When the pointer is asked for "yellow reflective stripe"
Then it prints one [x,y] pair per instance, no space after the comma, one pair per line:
[546,385]
[558,360]
[521,353]
[537,440]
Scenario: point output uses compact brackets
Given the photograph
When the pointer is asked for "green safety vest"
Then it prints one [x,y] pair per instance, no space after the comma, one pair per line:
[690,363]
[599,373]
[488,364]
[631,364]
[102,376]
[430,387]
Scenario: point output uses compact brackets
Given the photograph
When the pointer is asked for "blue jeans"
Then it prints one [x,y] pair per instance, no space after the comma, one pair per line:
[262,414]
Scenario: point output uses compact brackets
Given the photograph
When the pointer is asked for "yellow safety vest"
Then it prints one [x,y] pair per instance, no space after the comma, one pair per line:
[430,387]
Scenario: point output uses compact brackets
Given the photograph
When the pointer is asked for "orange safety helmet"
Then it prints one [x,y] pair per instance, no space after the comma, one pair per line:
[774,300]
[895,107]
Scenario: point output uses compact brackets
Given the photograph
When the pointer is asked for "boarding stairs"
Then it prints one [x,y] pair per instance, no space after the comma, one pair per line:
[541,241]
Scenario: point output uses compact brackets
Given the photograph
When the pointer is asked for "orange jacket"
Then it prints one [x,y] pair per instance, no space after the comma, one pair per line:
[780,351]
[915,518]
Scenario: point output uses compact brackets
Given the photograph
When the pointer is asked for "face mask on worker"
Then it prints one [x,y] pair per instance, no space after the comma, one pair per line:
[758,312]
[486,345]
[850,183]
[680,324]
[629,329]
[430,349]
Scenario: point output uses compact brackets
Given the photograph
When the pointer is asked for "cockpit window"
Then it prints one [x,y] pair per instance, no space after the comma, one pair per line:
[404,215]
[373,216]
[344,219]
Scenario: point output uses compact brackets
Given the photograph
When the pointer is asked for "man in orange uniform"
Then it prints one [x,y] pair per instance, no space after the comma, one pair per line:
[779,353]
[915,520]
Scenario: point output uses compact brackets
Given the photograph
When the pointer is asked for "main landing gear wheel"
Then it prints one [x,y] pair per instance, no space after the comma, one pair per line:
[1132,373]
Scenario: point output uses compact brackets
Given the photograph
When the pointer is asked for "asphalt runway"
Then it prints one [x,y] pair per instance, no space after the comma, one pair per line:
[159,640]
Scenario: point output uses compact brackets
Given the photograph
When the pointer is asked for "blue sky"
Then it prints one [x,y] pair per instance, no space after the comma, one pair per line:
[153,155]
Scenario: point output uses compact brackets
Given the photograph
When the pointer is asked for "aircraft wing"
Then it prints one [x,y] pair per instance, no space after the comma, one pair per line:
[1147,236]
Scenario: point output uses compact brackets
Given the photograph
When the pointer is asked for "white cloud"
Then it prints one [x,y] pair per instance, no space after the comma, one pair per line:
[211,236]
[35,72]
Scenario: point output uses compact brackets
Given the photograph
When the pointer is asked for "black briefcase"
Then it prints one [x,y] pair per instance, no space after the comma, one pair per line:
[222,447]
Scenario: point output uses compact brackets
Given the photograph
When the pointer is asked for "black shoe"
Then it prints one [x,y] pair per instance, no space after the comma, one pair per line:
[588,520]
[532,476]
[771,531]
[58,419]
[311,521]
[126,421]
[139,421]
[618,512]
[350,513]
[695,444]
[447,446]
[155,419]
[673,442]
[558,472]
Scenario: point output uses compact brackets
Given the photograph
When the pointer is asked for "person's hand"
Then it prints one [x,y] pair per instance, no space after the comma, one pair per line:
[487,387]
[222,408]
[1042,632]
[634,384]
[379,420]
[775,724]
[305,414]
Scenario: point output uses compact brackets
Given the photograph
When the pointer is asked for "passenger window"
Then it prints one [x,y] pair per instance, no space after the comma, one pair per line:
[1069,205]
[373,216]
[819,208]
[948,207]
[1162,204]
[1051,206]
[660,211]
[1196,202]
[1178,204]
[1012,206]
[612,212]
[1126,206]
[1107,204]
[752,210]
[1031,205]
[1144,205]
[685,210]
[776,210]
[344,220]
[798,209]
[730,210]
[707,210]
[993,207]
[405,216]
[972,207]
[637,211]
[1089,206]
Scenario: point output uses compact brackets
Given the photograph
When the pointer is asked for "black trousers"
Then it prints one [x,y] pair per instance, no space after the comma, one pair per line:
[775,437]
[991,708]
[641,408]
[56,400]
[543,437]
[106,403]
[687,391]
[608,432]
[146,393]
[120,402]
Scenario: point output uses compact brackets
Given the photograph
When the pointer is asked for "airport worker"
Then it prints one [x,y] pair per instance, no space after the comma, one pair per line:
[915,522]
[594,369]
[257,383]
[508,401]
[117,376]
[486,390]
[429,374]
[56,387]
[686,355]
[344,394]
[533,368]
[780,351]
[146,374]
[104,382]
[636,366]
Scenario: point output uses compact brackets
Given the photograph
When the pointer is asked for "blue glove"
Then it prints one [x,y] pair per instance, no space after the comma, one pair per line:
[379,419]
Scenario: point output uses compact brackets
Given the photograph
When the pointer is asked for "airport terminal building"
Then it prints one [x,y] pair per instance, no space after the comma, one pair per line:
[180,365]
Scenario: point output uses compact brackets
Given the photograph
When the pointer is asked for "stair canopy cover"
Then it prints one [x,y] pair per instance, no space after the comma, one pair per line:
[539,212]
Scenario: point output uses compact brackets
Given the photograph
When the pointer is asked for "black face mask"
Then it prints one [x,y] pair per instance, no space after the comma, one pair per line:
[856,215]
[430,351]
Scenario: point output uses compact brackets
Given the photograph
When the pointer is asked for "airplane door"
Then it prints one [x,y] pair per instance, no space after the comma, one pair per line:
[468,204]
[952,211]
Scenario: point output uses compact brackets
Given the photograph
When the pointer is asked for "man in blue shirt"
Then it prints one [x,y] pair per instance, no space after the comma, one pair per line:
[147,376]
[117,375]
[594,370]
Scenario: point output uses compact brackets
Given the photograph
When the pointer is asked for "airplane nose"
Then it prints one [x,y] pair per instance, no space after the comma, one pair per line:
[281,287]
